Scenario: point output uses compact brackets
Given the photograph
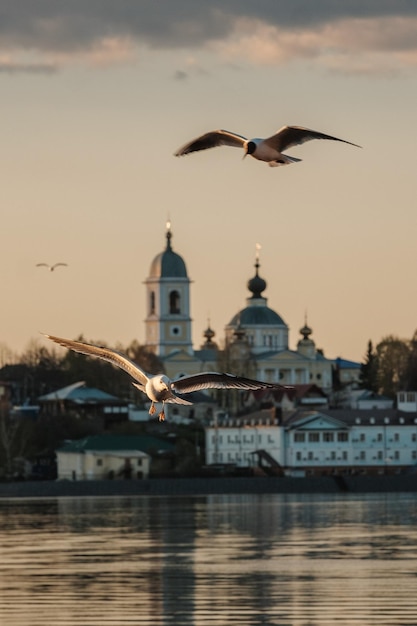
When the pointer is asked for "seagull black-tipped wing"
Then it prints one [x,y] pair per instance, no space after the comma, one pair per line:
[212,139]
[106,354]
[214,380]
[289,136]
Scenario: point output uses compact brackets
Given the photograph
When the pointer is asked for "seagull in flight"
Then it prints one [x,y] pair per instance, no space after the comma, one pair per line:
[51,267]
[269,150]
[160,388]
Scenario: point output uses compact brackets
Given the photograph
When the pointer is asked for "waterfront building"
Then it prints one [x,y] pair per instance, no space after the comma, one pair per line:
[108,456]
[317,442]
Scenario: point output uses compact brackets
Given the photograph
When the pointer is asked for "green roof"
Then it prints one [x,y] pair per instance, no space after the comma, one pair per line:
[257,316]
[117,443]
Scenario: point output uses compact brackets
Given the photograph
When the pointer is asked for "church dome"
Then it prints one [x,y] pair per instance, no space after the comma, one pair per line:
[168,264]
[264,328]
[257,316]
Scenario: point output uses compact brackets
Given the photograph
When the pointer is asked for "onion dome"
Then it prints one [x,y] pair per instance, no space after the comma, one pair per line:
[208,335]
[256,284]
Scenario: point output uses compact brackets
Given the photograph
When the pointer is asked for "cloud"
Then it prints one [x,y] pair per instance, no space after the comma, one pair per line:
[102,32]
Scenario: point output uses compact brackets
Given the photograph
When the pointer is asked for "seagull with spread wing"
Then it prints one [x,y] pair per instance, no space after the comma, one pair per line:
[51,267]
[160,388]
[269,150]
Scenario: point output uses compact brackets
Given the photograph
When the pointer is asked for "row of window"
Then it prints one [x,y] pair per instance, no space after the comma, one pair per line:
[326,436]
[330,436]
[174,303]
[245,438]
[409,396]
[99,462]
[311,437]
[362,455]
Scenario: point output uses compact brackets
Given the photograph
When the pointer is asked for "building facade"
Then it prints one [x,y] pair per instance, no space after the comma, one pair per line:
[256,338]
[318,442]
[99,457]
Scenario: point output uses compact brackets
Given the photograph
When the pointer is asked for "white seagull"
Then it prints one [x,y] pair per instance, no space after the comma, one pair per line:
[269,150]
[51,267]
[160,388]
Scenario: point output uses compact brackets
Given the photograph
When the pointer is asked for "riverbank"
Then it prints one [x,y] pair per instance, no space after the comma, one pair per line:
[207,486]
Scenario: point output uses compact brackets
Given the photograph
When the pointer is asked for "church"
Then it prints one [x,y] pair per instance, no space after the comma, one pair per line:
[256,337]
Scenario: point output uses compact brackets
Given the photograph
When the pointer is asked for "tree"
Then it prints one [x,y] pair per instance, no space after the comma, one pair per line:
[369,370]
[392,356]
[410,381]
[15,440]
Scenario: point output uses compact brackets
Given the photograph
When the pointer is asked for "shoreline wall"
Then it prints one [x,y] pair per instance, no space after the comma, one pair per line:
[207,486]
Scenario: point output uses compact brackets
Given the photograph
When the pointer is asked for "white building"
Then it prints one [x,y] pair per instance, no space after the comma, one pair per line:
[407,401]
[318,442]
[108,456]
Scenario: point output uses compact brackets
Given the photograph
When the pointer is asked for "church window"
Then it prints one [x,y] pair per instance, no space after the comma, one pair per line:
[313,437]
[328,436]
[299,437]
[174,302]
[152,303]
[343,436]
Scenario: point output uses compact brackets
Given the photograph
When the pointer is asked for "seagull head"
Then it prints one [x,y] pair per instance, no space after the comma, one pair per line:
[163,382]
[250,147]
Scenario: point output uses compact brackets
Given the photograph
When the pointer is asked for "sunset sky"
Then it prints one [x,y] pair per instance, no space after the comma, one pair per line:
[97,95]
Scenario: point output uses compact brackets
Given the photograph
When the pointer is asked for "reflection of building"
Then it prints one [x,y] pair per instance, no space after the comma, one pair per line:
[318,442]
[257,338]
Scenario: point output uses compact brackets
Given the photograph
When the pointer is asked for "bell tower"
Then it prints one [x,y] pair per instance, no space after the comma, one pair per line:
[168,321]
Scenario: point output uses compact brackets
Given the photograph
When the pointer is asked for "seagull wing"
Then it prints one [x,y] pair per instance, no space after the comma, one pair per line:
[212,140]
[214,380]
[60,264]
[289,136]
[107,354]
[42,265]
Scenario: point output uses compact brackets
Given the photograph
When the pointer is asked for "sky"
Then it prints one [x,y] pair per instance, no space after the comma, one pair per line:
[97,96]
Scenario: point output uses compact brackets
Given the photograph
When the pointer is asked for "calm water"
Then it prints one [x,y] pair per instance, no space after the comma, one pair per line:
[213,560]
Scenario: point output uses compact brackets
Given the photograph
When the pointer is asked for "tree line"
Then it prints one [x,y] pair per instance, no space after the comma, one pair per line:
[386,368]
[390,366]
[41,369]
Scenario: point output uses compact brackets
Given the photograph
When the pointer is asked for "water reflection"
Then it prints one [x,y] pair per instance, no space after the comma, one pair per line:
[267,559]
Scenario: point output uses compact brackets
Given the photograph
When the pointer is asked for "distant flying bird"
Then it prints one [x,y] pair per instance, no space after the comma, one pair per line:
[51,267]
[160,388]
[269,150]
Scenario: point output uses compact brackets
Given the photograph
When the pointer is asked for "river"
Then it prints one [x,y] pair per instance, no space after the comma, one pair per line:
[282,560]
